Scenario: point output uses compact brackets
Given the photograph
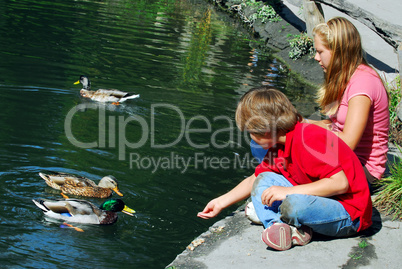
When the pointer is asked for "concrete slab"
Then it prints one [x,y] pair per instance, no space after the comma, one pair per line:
[235,242]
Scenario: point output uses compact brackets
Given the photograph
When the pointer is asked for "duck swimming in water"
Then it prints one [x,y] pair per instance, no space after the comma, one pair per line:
[81,211]
[81,186]
[102,95]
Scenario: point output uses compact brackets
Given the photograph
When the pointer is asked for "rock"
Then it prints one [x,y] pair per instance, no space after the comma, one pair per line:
[276,36]
[399,111]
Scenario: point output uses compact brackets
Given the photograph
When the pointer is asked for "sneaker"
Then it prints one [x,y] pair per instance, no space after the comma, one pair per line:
[278,236]
[251,214]
[301,236]
[281,236]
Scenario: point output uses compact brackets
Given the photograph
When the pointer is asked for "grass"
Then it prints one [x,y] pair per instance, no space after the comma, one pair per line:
[389,195]
[363,244]
[394,91]
[359,254]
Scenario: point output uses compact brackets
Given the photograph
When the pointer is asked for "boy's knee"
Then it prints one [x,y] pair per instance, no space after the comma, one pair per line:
[292,207]
[263,180]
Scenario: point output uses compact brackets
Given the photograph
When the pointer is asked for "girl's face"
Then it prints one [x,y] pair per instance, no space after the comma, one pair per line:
[323,54]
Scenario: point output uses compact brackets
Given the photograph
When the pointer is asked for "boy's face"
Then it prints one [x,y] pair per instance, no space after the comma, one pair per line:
[265,141]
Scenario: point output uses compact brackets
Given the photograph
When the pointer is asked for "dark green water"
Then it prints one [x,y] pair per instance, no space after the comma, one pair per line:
[172,150]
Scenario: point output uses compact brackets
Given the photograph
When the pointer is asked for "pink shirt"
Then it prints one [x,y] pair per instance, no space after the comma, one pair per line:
[373,146]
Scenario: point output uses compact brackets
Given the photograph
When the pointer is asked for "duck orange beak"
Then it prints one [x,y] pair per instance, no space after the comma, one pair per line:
[116,190]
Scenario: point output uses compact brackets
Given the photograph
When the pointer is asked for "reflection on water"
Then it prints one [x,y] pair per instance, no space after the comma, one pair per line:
[172,149]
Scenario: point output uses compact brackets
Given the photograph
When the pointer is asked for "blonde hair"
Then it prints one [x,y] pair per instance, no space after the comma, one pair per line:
[342,38]
[265,109]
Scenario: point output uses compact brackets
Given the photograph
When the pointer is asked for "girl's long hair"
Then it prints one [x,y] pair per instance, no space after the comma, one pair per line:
[342,38]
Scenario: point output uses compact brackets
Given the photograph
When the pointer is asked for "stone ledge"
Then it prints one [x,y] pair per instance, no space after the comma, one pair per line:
[390,32]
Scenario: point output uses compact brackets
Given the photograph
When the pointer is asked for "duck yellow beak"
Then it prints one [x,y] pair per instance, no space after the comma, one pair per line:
[116,190]
[128,210]
[77,82]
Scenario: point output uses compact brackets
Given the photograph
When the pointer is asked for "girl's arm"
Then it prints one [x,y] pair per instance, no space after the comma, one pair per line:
[326,187]
[355,123]
[238,193]
[356,120]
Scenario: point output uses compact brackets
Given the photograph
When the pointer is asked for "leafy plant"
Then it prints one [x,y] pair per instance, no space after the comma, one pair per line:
[252,3]
[264,12]
[267,13]
[363,244]
[356,256]
[395,98]
[359,253]
[394,90]
[300,45]
[389,196]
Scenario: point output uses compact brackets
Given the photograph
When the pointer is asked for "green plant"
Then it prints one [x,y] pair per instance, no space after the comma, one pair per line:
[264,12]
[300,45]
[252,3]
[356,256]
[359,253]
[267,13]
[395,97]
[363,244]
[395,130]
[389,196]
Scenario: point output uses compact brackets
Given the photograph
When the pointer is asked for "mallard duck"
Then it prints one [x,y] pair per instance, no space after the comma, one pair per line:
[81,186]
[81,211]
[102,95]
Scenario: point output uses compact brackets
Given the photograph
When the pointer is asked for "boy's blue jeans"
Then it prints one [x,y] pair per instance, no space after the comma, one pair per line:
[324,215]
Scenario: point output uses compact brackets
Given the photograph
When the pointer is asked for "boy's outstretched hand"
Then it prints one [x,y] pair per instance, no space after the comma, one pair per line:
[212,209]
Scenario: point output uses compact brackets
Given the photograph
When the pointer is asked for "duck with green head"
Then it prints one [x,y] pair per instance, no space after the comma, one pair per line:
[103,95]
[81,211]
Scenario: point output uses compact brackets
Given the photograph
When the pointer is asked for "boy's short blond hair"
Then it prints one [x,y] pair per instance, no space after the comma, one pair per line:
[265,110]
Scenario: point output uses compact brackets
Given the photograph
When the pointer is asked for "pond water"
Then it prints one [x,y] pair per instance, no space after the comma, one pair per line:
[171,150]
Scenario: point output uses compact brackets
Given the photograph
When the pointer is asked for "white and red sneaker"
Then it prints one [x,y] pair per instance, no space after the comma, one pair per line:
[281,236]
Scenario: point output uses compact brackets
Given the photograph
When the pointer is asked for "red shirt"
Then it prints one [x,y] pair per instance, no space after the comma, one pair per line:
[312,153]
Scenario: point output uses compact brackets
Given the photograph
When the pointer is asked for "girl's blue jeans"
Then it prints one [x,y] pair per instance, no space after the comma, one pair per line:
[324,215]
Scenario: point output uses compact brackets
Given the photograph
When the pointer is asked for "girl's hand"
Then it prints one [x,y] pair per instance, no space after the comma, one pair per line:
[212,209]
[274,193]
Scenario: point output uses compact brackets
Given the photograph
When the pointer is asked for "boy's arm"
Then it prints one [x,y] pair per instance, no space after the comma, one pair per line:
[238,193]
[326,187]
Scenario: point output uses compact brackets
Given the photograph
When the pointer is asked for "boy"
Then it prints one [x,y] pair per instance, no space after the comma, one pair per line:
[310,180]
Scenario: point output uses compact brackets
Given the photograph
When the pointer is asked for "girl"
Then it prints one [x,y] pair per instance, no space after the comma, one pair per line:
[353,95]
